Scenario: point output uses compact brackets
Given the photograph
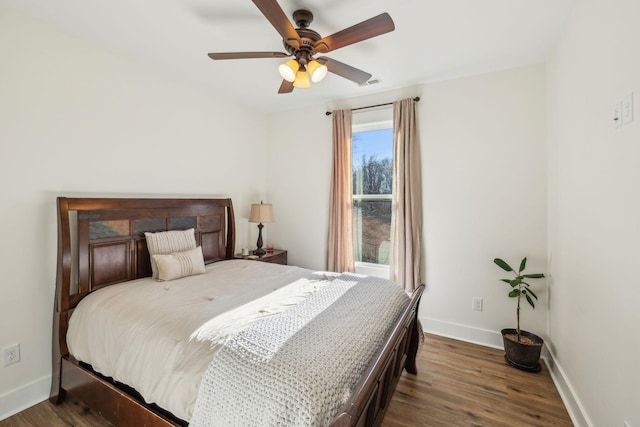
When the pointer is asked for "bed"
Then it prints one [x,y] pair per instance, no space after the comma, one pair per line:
[102,247]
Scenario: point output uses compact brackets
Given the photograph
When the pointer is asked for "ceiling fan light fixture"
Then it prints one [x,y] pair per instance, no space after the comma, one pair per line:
[317,70]
[289,69]
[302,43]
[302,78]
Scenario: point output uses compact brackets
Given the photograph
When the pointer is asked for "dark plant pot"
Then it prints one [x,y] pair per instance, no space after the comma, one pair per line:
[522,356]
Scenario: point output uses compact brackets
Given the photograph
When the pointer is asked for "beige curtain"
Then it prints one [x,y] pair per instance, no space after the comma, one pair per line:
[406,214]
[340,257]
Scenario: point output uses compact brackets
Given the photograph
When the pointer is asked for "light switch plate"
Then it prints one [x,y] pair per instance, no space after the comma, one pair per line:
[617,114]
[627,109]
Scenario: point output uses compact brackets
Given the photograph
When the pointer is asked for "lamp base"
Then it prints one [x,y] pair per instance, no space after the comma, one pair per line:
[259,251]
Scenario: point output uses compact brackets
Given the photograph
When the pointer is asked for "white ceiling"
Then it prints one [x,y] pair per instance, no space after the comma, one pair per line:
[433,40]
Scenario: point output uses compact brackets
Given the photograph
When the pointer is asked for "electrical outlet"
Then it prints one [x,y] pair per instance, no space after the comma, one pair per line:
[476,304]
[11,354]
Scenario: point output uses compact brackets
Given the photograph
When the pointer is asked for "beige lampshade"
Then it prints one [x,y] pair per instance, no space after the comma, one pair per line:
[261,213]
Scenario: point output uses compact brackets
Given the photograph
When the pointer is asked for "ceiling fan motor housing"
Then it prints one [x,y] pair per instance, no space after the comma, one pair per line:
[308,37]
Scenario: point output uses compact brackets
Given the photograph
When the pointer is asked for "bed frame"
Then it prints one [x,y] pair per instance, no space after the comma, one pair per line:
[101,242]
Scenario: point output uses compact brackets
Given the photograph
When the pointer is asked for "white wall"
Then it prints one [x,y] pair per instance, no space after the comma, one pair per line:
[298,180]
[595,211]
[484,172]
[484,169]
[76,119]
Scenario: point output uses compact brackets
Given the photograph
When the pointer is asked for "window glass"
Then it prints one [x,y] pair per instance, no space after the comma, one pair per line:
[372,186]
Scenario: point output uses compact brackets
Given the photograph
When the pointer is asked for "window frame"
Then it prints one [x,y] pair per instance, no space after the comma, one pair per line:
[370,268]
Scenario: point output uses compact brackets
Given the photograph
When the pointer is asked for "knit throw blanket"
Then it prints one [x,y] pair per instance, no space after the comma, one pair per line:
[297,368]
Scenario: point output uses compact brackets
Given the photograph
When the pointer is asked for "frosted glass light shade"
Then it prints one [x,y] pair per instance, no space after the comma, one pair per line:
[288,70]
[317,71]
[302,78]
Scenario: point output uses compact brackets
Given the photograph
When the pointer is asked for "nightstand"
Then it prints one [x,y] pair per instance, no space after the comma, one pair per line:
[277,256]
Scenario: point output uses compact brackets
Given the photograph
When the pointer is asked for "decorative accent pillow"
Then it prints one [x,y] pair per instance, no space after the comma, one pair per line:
[180,264]
[167,242]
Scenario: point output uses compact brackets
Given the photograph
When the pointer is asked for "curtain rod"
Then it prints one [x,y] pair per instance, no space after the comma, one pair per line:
[416,99]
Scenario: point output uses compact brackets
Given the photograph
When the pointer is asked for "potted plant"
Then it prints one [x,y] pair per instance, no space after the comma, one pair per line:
[522,348]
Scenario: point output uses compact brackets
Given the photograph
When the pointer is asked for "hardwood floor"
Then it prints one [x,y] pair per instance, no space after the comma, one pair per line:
[463,384]
[458,384]
[68,414]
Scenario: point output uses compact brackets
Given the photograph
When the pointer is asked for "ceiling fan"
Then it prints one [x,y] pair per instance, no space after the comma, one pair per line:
[303,44]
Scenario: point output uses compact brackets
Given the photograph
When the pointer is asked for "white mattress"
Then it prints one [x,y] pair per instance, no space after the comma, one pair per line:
[159,337]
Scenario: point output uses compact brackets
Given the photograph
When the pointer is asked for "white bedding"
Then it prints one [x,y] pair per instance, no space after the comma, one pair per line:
[298,368]
[153,335]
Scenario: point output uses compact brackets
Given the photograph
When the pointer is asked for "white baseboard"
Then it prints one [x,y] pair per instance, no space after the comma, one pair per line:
[462,332]
[494,339]
[569,398]
[24,397]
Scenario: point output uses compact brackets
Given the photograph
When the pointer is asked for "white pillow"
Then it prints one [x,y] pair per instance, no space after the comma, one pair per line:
[180,264]
[167,242]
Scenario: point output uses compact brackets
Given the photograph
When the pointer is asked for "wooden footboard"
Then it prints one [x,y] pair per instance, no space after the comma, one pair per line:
[370,400]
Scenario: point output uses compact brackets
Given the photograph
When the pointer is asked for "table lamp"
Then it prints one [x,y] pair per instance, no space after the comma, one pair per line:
[260,213]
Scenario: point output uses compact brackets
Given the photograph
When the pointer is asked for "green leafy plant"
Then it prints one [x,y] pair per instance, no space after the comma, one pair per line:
[519,287]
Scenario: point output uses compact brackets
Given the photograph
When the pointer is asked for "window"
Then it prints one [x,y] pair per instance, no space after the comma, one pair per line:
[372,185]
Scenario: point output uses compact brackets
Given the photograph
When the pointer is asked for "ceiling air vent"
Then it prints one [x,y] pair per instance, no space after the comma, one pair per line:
[373,81]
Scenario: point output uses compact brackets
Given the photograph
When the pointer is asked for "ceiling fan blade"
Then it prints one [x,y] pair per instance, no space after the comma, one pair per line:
[247,55]
[274,13]
[344,70]
[286,87]
[372,27]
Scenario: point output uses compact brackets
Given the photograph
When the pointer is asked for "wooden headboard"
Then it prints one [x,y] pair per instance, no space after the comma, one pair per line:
[110,246]
[101,242]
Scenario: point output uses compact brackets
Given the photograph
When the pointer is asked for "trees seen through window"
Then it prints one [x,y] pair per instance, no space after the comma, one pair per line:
[372,186]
